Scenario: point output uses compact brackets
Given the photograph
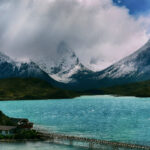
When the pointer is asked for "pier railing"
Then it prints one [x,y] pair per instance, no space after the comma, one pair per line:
[89,143]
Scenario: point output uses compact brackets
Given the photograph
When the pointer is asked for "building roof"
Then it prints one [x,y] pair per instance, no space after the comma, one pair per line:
[7,128]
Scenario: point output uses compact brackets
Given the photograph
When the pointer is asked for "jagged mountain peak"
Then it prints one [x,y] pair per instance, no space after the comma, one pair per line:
[133,68]
[65,66]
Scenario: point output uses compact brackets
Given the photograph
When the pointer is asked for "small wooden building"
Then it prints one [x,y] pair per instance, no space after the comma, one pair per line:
[25,124]
[7,130]
[21,124]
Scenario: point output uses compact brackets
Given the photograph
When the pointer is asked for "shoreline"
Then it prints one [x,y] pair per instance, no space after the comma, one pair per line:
[20,140]
[73,98]
[54,138]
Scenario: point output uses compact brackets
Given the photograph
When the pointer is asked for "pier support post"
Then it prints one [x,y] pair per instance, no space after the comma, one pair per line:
[71,142]
[91,145]
[52,140]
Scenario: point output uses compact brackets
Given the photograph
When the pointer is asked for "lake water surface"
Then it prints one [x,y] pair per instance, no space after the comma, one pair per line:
[124,119]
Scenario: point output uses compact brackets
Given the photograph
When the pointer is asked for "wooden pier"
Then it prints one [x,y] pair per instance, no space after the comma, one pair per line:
[89,143]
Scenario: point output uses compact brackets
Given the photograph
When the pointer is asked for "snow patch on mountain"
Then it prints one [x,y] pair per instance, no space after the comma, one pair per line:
[120,70]
[5,58]
[135,64]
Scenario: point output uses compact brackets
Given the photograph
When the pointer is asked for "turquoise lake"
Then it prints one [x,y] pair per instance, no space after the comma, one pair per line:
[123,119]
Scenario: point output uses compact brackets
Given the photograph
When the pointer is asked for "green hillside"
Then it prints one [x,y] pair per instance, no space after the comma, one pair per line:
[30,88]
[5,120]
[139,89]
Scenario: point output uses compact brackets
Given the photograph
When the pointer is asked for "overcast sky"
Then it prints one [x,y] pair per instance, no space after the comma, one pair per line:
[99,31]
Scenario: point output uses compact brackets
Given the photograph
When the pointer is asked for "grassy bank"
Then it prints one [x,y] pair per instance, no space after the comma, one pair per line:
[139,89]
[31,88]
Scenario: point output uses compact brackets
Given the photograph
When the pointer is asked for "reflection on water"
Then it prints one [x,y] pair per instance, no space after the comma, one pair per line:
[35,146]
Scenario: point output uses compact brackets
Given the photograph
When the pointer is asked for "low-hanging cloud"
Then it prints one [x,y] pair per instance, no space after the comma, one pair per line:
[97,30]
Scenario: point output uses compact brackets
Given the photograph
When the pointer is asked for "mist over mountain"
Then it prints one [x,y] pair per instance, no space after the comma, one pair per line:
[99,32]
[70,73]
[62,67]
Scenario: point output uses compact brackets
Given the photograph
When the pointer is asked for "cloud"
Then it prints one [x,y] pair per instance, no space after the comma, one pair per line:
[94,29]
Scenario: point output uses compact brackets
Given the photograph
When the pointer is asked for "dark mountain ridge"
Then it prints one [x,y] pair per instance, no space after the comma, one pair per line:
[12,69]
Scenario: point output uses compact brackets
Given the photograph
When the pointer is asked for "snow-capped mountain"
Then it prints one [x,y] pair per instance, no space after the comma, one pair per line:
[10,69]
[66,65]
[136,65]
[68,73]
[133,68]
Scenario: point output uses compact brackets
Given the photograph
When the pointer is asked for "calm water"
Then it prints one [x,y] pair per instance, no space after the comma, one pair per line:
[125,119]
[35,146]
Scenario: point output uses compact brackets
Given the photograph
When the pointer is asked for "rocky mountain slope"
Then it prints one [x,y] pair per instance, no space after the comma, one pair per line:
[133,68]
